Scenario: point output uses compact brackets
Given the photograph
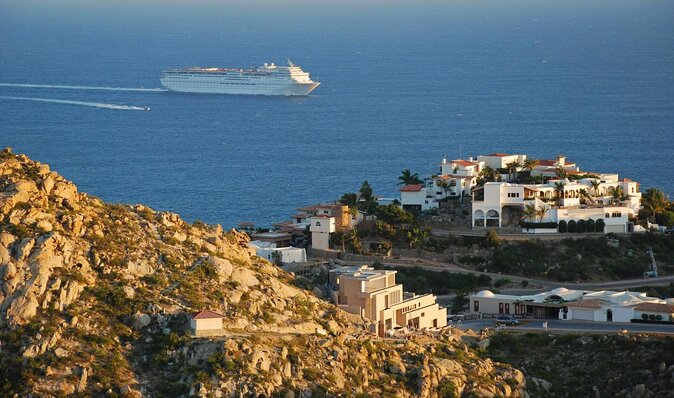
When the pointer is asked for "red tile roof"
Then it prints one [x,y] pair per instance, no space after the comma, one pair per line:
[500,155]
[464,163]
[412,188]
[655,307]
[206,314]
[321,216]
[448,176]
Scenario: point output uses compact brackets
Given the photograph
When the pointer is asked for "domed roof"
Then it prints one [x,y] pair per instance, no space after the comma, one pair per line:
[485,293]
[559,290]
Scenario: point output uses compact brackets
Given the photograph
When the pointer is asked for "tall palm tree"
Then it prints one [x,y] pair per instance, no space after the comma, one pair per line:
[584,196]
[489,174]
[561,172]
[512,169]
[618,194]
[595,186]
[559,189]
[542,212]
[655,202]
[530,211]
[407,178]
[530,164]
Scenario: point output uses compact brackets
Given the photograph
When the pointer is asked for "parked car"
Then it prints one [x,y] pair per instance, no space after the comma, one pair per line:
[669,231]
[507,320]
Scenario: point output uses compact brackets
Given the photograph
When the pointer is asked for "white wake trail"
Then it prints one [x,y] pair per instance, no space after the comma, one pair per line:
[82,87]
[80,103]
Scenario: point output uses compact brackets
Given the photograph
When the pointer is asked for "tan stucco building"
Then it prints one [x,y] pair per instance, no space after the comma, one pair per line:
[374,294]
[206,323]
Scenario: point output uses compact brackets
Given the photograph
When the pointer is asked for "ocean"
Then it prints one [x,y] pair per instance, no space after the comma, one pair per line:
[403,85]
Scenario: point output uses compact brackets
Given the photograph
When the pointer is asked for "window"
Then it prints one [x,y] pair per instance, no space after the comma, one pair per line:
[500,308]
[476,306]
[507,308]
[608,215]
[318,223]
[423,314]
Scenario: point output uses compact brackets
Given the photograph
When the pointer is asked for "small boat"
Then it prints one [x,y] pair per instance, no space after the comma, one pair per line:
[147,108]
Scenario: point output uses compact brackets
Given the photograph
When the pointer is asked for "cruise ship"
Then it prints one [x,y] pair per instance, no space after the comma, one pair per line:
[268,79]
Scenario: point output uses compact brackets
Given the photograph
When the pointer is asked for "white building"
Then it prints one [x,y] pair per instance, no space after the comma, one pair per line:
[415,197]
[566,304]
[321,227]
[456,180]
[498,203]
[288,254]
[500,160]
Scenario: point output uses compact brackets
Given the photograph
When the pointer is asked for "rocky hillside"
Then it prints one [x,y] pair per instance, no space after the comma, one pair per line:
[572,365]
[94,300]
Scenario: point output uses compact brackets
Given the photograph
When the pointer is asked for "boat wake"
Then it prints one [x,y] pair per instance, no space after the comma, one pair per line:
[80,103]
[83,87]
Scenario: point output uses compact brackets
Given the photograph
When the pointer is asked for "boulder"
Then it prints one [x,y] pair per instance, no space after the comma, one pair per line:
[141,320]
[244,276]
[223,267]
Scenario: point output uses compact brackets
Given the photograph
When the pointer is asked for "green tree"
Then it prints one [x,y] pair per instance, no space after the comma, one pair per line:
[349,199]
[488,174]
[530,212]
[531,164]
[416,236]
[542,212]
[491,238]
[512,168]
[655,202]
[599,225]
[595,186]
[559,189]
[407,178]
[393,214]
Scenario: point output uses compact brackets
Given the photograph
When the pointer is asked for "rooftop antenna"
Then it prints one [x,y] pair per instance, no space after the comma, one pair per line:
[290,63]
[460,152]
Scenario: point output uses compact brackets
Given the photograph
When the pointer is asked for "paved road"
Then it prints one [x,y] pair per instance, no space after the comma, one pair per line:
[571,326]
[538,284]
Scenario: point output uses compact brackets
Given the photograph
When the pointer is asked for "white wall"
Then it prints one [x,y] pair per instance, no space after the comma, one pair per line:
[320,240]
[206,324]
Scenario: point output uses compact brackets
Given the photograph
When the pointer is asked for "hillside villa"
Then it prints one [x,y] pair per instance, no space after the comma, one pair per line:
[558,196]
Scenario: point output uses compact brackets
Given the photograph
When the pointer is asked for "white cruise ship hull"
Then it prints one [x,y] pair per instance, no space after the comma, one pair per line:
[217,87]
[267,79]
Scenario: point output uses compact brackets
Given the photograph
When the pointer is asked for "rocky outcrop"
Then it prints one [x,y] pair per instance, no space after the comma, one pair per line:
[99,296]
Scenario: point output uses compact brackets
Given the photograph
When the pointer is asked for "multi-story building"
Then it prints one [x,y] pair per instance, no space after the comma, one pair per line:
[601,197]
[375,295]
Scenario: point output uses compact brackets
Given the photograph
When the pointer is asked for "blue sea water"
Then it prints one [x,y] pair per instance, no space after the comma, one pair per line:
[403,85]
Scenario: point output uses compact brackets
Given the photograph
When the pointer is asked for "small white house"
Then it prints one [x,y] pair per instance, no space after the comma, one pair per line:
[206,322]
[288,254]
[321,227]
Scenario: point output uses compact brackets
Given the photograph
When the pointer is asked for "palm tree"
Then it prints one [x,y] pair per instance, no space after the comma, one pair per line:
[618,193]
[595,186]
[444,185]
[541,213]
[584,196]
[530,211]
[366,194]
[512,169]
[559,189]
[489,174]
[530,164]
[407,178]
[655,202]
[561,172]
